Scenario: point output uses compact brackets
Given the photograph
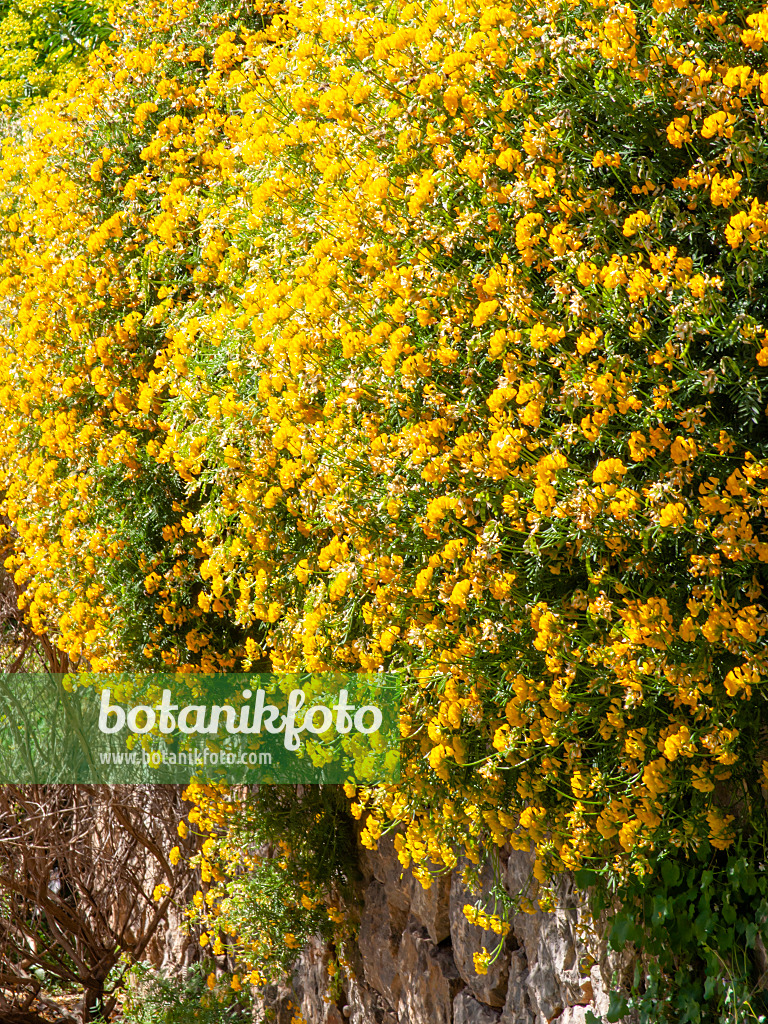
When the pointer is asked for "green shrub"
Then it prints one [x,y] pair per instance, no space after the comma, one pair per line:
[185,998]
[282,864]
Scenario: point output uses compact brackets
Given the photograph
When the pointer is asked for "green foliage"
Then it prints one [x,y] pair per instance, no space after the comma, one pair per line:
[289,859]
[43,43]
[314,822]
[157,999]
[700,923]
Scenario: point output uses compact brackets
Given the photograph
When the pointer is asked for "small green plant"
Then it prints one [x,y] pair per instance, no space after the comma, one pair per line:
[699,922]
[154,998]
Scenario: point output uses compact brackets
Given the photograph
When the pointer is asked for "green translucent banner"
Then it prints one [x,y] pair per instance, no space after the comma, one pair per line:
[166,728]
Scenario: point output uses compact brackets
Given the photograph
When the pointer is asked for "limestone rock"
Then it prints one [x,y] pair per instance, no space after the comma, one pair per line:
[517,1005]
[555,987]
[468,939]
[365,1005]
[413,959]
[467,1010]
[428,906]
[274,1005]
[383,866]
[381,926]
[431,907]
[429,980]
[575,1015]
[310,982]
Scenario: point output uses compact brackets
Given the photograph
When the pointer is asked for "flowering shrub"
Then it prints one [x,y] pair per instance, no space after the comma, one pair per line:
[45,44]
[423,337]
[276,868]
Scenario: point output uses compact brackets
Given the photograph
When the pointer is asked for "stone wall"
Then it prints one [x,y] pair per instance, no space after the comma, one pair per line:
[413,959]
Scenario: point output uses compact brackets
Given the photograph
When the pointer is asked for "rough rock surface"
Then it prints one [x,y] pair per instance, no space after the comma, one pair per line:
[428,979]
[413,960]
[468,1010]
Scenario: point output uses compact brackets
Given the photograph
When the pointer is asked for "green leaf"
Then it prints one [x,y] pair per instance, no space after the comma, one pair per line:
[617,1007]
[660,911]
[702,926]
[585,877]
[711,982]
[670,872]
[623,930]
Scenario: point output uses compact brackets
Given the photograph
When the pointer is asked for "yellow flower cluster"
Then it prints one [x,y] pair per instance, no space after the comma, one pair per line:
[490,922]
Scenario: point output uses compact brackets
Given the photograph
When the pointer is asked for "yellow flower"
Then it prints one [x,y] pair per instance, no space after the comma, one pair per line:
[724,190]
[653,777]
[635,222]
[677,131]
[679,742]
[459,593]
[451,100]
[682,449]
[581,784]
[721,835]
[628,833]
[484,312]
[481,961]
[672,514]
[607,469]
